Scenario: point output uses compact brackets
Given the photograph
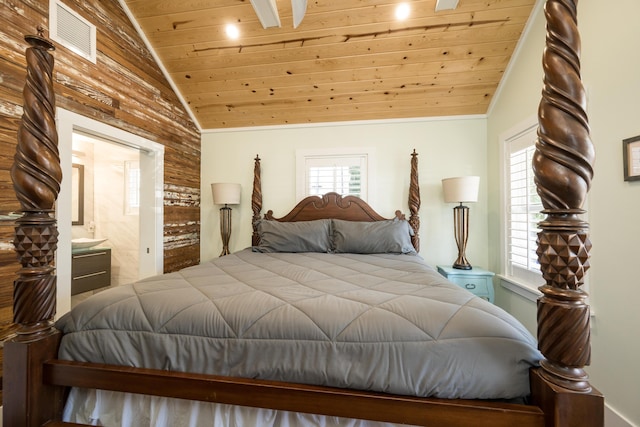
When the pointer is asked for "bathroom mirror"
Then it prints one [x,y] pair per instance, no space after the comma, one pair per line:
[77,194]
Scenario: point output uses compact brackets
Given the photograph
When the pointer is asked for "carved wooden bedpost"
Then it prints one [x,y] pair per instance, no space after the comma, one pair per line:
[414,201]
[36,176]
[256,200]
[563,171]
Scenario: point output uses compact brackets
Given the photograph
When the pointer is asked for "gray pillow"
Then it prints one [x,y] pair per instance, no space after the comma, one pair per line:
[391,236]
[299,236]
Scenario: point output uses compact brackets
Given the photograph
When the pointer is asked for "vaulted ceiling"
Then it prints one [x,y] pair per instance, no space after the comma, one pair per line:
[347,60]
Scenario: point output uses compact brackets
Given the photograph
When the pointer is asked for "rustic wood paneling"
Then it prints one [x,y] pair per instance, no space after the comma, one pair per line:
[180,257]
[125,89]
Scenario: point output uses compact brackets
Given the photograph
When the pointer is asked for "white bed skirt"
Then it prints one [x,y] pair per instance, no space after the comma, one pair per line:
[107,408]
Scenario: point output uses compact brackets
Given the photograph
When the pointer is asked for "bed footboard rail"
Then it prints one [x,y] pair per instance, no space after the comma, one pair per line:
[292,397]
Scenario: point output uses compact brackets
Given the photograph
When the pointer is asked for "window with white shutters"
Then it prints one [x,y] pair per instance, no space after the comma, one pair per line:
[339,174]
[522,209]
[523,213]
[344,173]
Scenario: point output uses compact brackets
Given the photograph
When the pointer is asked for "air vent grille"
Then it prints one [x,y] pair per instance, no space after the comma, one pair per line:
[73,31]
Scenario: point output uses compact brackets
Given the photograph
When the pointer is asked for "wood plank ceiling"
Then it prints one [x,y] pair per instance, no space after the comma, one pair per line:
[348,59]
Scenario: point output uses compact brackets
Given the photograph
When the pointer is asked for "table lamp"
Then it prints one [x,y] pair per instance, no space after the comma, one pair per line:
[460,190]
[225,194]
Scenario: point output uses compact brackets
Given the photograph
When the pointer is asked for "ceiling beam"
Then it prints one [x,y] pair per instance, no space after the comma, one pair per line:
[267,12]
[444,5]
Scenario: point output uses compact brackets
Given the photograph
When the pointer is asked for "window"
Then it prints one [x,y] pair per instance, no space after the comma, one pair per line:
[343,172]
[522,209]
[131,187]
[341,175]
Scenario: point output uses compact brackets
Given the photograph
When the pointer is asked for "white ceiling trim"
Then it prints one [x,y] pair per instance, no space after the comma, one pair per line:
[346,123]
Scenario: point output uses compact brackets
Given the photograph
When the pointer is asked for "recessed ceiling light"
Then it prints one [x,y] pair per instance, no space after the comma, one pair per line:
[402,11]
[232,31]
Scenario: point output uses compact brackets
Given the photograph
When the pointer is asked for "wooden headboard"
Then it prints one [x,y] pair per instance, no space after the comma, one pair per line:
[333,205]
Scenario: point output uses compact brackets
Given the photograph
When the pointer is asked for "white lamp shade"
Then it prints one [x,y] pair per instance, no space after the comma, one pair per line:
[225,193]
[461,189]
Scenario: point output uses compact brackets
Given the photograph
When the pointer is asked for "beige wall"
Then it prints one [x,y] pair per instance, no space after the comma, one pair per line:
[515,104]
[445,147]
[610,64]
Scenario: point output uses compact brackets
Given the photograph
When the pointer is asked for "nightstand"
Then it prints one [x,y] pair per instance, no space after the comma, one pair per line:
[476,280]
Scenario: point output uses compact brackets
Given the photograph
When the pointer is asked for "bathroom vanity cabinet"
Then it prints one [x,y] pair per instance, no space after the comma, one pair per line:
[90,269]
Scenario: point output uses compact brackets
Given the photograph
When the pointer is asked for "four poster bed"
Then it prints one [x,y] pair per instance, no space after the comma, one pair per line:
[326,249]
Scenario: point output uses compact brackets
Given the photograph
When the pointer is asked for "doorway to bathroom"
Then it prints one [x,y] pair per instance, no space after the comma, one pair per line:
[122,199]
[106,204]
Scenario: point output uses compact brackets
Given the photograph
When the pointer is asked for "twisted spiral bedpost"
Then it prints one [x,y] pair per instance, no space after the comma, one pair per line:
[414,201]
[256,199]
[36,176]
[563,168]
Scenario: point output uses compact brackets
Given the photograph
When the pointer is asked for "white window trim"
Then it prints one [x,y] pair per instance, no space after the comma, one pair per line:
[523,288]
[526,289]
[368,177]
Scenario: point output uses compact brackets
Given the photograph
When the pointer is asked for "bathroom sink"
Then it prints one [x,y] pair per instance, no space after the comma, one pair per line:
[84,243]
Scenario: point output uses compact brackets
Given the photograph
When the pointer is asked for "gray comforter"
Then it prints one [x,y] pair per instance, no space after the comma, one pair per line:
[387,323]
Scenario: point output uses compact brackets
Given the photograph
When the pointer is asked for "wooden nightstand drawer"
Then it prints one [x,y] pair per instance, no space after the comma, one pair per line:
[477,281]
[477,285]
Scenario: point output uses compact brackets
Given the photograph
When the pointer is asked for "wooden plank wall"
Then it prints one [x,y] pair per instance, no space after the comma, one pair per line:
[125,89]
